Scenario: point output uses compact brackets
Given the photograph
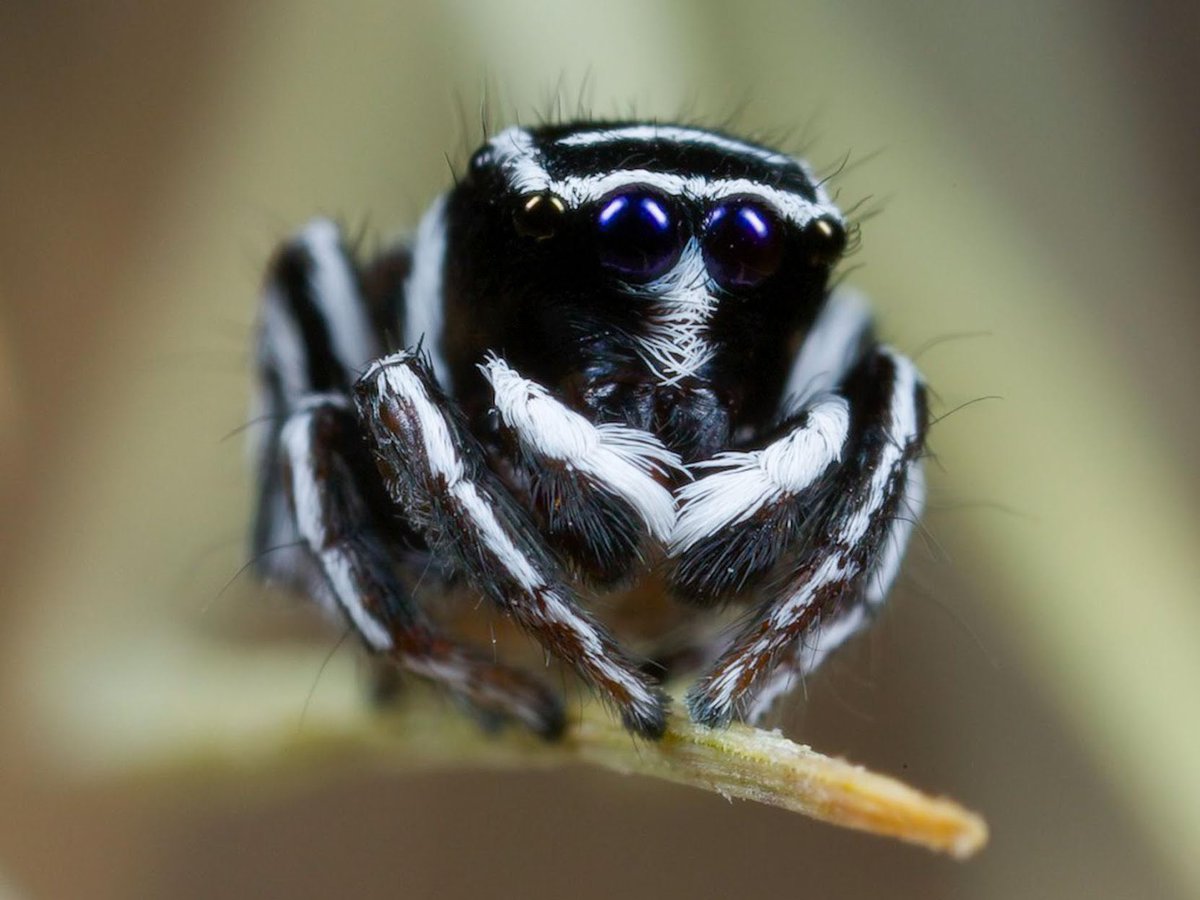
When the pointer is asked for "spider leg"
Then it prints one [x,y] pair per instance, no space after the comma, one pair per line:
[320,445]
[323,525]
[597,490]
[842,622]
[313,334]
[827,509]
[436,471]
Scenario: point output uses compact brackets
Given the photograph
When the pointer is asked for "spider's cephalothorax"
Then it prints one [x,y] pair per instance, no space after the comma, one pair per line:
[616,348]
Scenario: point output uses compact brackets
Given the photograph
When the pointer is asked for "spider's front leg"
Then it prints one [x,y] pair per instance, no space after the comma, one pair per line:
[826,509]
[435,470]
[323,525]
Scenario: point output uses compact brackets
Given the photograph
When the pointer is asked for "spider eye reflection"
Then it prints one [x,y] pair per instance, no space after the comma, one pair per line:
[637,235]
[743,244]
[538,216]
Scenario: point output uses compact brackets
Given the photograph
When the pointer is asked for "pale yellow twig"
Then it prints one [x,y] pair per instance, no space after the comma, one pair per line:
[204,707]
[740,761]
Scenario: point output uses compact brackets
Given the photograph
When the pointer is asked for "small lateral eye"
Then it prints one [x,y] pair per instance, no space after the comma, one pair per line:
[743,244]
[480,160]
[827,238]
[637,234]
[538,216]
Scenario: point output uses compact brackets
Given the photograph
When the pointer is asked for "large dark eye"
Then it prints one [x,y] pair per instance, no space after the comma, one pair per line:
[743,244]
[637,234]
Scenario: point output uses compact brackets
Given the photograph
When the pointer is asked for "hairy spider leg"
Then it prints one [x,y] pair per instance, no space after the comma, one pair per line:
[435,470]
[321,492]
[861,504]
[830,503]
[310,293]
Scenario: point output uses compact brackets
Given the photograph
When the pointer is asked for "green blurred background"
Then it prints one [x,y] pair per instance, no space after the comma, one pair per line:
[1035,165]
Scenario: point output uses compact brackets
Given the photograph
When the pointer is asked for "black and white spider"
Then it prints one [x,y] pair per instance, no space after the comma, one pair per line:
[610,348]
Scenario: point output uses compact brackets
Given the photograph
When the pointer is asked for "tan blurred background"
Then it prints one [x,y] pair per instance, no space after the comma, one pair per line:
[1036,168]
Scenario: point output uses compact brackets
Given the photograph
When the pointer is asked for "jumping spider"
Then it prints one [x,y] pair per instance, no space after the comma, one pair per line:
[611,347]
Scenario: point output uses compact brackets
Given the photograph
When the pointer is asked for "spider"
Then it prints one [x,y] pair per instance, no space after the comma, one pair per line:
[610,349]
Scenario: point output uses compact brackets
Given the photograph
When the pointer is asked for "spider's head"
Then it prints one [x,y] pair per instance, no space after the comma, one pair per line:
[656,275]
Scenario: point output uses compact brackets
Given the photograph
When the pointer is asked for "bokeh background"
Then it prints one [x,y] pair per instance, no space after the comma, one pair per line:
[1034,166]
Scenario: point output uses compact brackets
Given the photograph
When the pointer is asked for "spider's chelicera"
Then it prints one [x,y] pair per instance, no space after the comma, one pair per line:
[609,349]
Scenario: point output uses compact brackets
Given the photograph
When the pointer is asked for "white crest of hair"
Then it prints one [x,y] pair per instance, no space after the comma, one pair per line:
[521,161]
[745,482]
[830,347]
[622,459]
[297,438]
[578,190]
[423,315]
[516,155]
[675,342]
[674,134]
[335,291]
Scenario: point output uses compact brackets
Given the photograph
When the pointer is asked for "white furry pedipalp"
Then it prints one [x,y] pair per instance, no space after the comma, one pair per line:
[620,458]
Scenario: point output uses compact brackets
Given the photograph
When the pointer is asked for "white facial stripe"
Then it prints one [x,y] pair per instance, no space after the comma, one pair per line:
[829,348]
[675,343]
[423,320]
[580,190]
[673,134]
[520,160]
[747,482]
[617,457]
[335,292]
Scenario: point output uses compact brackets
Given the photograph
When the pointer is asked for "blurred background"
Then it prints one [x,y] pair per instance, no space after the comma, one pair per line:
[1034,166]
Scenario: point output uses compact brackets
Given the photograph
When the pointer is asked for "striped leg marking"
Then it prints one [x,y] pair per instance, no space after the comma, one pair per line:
[434,469]
[856,536]
[314,336]
[321,526]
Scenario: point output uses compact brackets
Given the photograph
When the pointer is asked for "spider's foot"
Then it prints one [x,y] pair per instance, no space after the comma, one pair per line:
[648,718]
[707,709]
[497,694]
